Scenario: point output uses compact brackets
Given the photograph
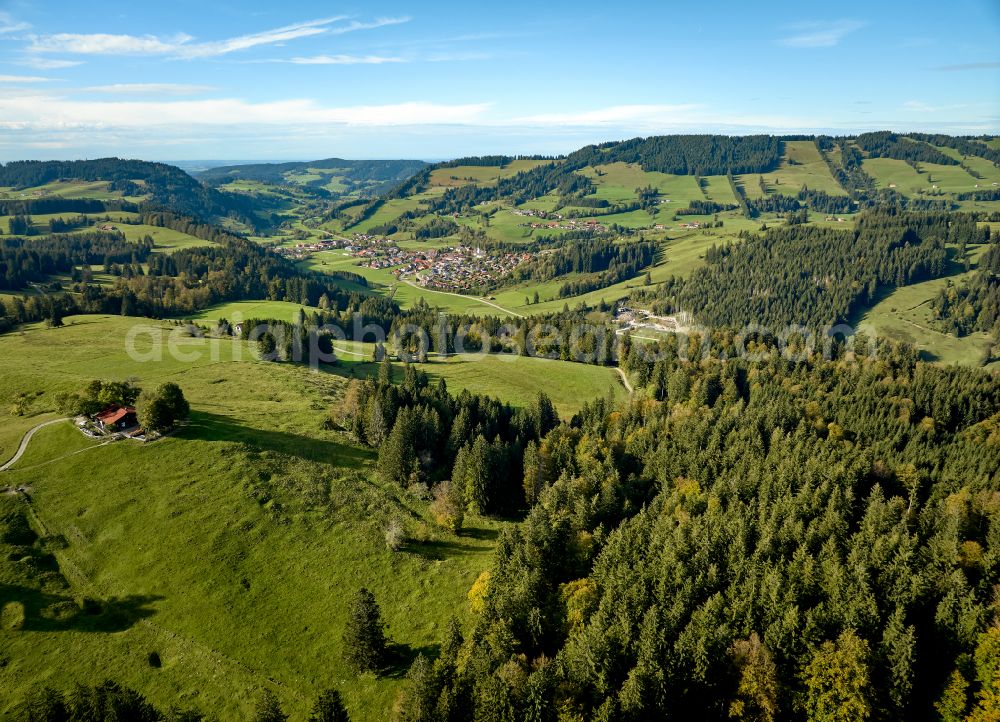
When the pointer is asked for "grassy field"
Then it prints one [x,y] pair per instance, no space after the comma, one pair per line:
[41,220]
[239,310]
[166,240]
[513,379]
[802,165]
[717,188]
[230,548]
[888,172]
[617,182]
[479,174]
[69,189]
[389,211]
[517,380]
[66,189]
[905,315]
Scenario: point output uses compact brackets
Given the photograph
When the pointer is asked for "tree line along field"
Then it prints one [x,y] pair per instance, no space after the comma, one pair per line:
[166,240]
[801,165]
[225,548]
[905,315]
[512,379]
[479,174]
[67,189]
[947,178]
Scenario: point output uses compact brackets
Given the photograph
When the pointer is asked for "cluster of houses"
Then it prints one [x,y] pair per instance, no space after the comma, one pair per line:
[454,268]
[689,226]
[301,250]
[465,269]
[836,218]
[532,213]
[570,225]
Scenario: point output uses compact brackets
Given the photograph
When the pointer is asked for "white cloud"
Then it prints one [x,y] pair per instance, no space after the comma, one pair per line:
[8,25]
[357,25]
[181,45]
[23,79]
[341,60]
[48,63]
[919,106]
[820,34]
[42,111]
[611,115]
[105,44]
[149,89]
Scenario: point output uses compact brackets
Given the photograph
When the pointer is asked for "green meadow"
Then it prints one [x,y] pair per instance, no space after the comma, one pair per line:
[516,380]
[617,182]
[479,174]
[889,172]
[905,314]
[225,548]
[802,165]
[66,189]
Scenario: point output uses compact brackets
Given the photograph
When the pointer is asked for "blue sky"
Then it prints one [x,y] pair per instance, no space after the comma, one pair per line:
[304,80]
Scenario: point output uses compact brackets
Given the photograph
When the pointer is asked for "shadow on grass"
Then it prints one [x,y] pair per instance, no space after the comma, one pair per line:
[953,267]
[439,549]
[401,656]
[32,610]
[207,426]
[481,534]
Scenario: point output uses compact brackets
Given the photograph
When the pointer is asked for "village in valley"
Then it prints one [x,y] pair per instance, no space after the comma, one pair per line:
[459,268]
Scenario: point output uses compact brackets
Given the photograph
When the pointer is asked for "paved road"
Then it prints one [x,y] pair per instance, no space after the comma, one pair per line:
[24,443]
[474,298]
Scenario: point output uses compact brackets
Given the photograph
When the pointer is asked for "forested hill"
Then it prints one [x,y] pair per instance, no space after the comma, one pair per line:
[688,154]
[316,173]
[160,186]
[842,168]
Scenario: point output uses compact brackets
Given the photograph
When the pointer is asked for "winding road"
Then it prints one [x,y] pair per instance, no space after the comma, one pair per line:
[24,443]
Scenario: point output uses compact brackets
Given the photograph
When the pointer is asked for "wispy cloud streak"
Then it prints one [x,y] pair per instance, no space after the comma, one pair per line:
[816,34]
[183,46]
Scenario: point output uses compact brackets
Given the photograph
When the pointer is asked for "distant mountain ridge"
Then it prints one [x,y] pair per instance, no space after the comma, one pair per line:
[163,186]
[347,175]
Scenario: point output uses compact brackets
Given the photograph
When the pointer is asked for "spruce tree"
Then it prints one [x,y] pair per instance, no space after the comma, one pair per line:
[329,707]
[384,370]
[364,636]
[268,708]
[397,459]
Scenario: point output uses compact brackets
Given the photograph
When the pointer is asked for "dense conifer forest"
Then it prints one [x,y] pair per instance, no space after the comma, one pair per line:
[816,276]
[773,540]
